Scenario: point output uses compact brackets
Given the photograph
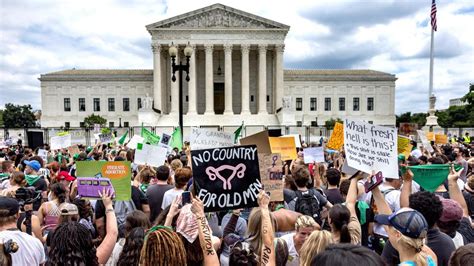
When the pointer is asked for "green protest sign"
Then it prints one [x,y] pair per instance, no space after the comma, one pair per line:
[430,176]
[150,137]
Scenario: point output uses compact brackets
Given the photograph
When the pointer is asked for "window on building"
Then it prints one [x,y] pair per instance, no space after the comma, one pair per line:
[67,124]
[82,104]
[313,105]
[82,124]
[268,98]
[314,123]
[371,122]
[126,104]
[67,104]
[327,104]
[111,104]
[96,105]
[355,104]
[342,104]
[139,103]
[111,124]
[299,123]
[370,104]
[187,98]
[126,124]
[299,104]
[251,98]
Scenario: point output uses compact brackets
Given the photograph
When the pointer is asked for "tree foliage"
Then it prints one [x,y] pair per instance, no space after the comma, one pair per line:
[89,121]
[329,124]
[18,116]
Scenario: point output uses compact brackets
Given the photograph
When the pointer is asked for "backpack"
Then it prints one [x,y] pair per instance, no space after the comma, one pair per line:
[122,209]
[308,204]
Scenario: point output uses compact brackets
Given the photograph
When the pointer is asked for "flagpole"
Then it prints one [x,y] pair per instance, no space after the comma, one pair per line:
[430,93]
[432,120]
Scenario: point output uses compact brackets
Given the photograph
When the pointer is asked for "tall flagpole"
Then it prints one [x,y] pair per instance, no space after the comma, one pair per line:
[432,120]
[430,93]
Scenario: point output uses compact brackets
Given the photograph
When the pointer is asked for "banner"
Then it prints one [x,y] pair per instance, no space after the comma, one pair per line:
[441,139]
[404,146]
[371,148]
[426,143]
[284,146]
[271,173]
[408,129]
[132,144]
[260,139]
[226,178]
[337,137]
[205,139]
[149,137]
[106,138]
[59,142]
[315,154]
[93,176]
[150,155]
[430,176]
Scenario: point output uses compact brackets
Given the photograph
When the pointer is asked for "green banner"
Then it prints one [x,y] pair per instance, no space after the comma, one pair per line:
[119,173]
[150,137]
[430,176]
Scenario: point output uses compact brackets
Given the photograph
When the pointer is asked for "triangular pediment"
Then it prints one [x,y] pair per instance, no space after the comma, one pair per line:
[216,16]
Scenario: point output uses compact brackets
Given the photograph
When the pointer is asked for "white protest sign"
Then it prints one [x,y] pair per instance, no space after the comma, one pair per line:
[297,139]
[106,138]
[59,142]
[371,148]
[206,139]
[43,154]
[132,144]
[150,155]
[315,154]
[424,140]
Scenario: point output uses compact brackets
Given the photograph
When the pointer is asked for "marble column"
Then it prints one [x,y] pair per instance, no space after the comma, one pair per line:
[157,93]
[245,48]
[262,79]
[279,49]
[228,79]
[175,89]
[192,82]
[209,80]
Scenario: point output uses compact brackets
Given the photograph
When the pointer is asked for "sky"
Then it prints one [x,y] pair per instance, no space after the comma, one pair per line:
[42,36]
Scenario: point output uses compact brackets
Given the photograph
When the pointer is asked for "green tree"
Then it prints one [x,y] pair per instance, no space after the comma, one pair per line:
[1,118]
[18,116]
[94,119]
[403,118]
[329,124]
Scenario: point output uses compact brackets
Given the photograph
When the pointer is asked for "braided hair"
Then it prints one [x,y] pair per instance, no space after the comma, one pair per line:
[71,244]
[162,247]
[130,254]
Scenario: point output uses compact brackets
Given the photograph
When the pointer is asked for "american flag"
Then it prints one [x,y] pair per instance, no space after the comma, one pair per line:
[433,16]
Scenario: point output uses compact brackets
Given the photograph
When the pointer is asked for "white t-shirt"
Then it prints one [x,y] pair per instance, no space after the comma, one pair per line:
[392,198]
[30,250]
[293,256]
[458,240]
[169,196]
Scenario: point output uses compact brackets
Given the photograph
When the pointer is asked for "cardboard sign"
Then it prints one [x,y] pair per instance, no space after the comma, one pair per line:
[146,154]
[408,129]
[315,154]
[430,136]
[271,168]
[441,139]
[132,144]
[165,139]
[284,146]
[59,142]
[371,148]
[260,139]
[106,138]
[226,178]
[97,175]
[206,139]
[404,147]
[73,150]
[297,139]
[346,169]
[337,137]
[426,143]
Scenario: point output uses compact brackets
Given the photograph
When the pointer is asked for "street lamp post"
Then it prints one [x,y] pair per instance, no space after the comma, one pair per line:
[180,68]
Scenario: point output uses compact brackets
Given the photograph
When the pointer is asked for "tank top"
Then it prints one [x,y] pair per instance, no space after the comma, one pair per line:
[52,217]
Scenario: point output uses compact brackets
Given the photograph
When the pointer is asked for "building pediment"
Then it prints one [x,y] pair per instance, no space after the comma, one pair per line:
[217,16]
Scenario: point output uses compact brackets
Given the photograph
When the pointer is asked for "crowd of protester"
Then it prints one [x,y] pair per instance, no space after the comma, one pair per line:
[326,217]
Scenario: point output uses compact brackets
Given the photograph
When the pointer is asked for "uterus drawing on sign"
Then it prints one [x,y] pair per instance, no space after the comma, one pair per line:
[238,170]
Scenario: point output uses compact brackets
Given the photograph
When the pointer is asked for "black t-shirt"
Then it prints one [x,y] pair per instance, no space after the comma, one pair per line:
[138,199]
[469,198]
[155,195]
[466,230]
[334,196]
[39,185]
[441,244]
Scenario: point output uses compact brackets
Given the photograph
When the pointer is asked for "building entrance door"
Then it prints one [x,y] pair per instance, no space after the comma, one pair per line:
[219,100]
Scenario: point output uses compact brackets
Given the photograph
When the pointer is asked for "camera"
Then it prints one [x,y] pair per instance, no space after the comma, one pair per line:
[27,196]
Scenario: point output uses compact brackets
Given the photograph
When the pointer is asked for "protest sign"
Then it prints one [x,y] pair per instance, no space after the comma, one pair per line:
[93,176]
[150,155]
[371,148]
[284,146]
[260,139]
[106,138]
[96,128]
[226,178]
[43,154]
[132,144]
[149,137]
[346,169]
[59,142]
[205,139]
[404,147]
[165,139]
[73,150]
[337,137]
[426,143]
[441,139]
[315,154]
[297,139]
[430,176]
[408,129]
[271,168]
[430,136]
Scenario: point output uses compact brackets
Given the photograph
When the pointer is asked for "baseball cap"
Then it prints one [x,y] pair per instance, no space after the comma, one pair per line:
[10,204]
[408,221]
[63,175]
[35,165]
[452,211]
[68,209]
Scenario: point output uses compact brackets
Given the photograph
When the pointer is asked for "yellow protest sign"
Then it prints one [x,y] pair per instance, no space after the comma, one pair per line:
[285,146]
[430,136]
[337,137]
[404,146]
[441,139]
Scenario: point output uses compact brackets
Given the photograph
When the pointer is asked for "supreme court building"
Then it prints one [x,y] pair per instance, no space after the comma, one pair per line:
[236,74]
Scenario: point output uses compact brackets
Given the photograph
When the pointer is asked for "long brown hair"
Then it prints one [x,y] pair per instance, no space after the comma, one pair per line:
[162,247]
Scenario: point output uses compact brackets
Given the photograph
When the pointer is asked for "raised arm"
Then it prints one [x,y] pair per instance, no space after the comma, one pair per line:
[406,188]
[174,210]
[454,191]
[268,249]
[382,206]
[351,198]
[107,246]
[205,238]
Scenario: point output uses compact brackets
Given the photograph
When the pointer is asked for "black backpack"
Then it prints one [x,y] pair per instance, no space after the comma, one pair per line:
[308,204]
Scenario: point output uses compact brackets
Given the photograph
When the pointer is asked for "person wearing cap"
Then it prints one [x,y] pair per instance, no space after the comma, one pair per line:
[35,180]
[407,230]
[68,213]
[30,250]
[450,221]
